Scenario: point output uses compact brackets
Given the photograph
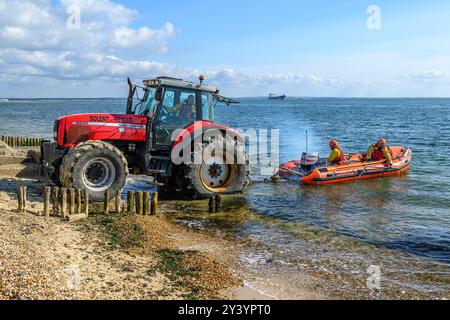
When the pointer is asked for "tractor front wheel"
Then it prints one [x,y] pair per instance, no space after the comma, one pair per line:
[95,166]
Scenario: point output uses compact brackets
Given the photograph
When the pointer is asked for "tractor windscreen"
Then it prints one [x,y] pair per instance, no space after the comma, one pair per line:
[149,103]
[178,99]
[179,108]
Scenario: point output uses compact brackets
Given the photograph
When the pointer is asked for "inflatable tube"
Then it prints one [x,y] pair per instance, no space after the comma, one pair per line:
[352,169]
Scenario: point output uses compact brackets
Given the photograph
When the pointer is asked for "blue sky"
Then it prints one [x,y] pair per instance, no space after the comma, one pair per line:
[247,48]
[242,33]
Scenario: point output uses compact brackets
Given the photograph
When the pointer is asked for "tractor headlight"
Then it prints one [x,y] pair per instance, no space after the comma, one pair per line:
[55,130]
[152,83]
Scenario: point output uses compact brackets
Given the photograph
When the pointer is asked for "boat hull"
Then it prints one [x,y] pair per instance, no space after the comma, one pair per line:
[277,97]
[351,170]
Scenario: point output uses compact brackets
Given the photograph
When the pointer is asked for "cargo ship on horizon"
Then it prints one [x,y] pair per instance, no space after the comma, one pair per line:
[273,96]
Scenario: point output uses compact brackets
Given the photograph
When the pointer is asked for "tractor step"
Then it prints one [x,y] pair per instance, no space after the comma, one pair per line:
[159,165]
[153,172]
[161,158]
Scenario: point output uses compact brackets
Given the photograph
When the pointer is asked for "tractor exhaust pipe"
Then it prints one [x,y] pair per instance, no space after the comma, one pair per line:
[131,92]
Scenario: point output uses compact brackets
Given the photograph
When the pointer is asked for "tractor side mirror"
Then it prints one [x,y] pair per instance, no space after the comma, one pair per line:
[159,94]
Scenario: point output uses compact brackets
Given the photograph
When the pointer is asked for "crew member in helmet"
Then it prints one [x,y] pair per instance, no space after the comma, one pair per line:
[337,155]
[379,151]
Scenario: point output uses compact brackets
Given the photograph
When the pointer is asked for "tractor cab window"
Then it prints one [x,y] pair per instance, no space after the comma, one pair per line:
[179,107]
[149,104]
[207,107]
[178,110]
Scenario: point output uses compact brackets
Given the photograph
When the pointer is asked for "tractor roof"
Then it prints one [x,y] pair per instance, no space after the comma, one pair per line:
[179,83]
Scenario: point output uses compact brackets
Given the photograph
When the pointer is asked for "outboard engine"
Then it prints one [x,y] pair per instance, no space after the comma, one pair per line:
[309,160]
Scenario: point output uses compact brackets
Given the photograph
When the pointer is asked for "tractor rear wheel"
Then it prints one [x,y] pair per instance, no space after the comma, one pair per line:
[215,175]
[95,166]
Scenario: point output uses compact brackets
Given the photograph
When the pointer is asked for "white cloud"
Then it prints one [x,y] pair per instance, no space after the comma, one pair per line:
[13,33]
[101,12]
[427,76]
[37,25]
[233,76]
[132,38]
[37,47]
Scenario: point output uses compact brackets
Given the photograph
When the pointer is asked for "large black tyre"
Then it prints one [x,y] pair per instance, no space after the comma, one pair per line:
[95,166]
[201,180]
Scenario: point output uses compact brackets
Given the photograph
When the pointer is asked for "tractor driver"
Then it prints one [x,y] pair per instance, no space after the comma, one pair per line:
[186,110]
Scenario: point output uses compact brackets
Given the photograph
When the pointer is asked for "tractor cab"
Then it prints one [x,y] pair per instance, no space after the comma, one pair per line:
[172,104]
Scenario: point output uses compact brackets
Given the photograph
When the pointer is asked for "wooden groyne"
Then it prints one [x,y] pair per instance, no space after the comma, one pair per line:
[14,142]
[142,203]
[73,204]
[215,203]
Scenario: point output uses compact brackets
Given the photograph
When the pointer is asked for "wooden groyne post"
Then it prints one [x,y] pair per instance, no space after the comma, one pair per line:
[55,196]
[71,201]
[218,203]
[154,204]
[146,210]
[64,202]
[22,199]
[139,200]
[47,194]
[79,201]
[117,201]
[106,203]
[130,202]
[19,199]
[211,204]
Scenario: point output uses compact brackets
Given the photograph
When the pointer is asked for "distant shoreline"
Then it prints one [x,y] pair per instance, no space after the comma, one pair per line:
[249,97]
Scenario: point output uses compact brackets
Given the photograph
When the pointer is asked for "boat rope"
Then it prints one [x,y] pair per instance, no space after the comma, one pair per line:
[362,172]
[292,171]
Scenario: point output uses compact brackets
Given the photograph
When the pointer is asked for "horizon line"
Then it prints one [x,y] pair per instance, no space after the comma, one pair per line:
[249,97]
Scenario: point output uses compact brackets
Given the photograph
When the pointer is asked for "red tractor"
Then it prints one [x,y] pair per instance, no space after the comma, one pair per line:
[96,152]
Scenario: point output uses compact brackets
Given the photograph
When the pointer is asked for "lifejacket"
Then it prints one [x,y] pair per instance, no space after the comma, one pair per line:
[187,111]
[341,156]
[378,153]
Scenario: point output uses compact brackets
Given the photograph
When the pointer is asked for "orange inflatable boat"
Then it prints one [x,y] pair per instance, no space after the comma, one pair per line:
[352,169]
